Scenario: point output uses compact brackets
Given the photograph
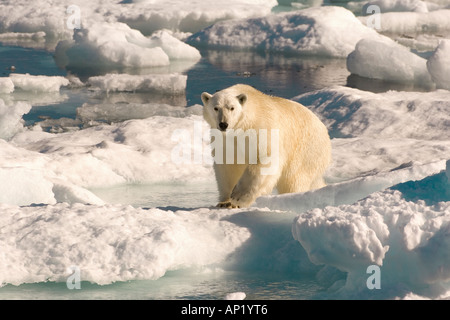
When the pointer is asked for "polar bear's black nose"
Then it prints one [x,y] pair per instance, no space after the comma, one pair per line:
[223,126]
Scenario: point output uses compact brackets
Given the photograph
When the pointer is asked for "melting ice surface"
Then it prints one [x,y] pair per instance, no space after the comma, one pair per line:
[88,178]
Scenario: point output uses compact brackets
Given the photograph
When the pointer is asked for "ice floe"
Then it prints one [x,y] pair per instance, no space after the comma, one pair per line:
[118,45]
[163,83]
[324,31]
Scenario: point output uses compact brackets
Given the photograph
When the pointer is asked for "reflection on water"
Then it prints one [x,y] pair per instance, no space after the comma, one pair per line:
[378,86]
[212,285]
[156,195]
[273,74]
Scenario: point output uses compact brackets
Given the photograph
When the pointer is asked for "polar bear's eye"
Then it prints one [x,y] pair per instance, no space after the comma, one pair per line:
[232,108]
[217,109]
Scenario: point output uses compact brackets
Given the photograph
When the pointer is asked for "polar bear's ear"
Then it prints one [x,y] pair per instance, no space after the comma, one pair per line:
[205,97]
[242,98]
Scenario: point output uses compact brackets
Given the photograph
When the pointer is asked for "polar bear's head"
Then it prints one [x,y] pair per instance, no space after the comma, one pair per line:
[223,110]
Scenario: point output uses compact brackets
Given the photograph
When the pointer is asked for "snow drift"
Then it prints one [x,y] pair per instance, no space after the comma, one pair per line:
[409,240]
[109,243]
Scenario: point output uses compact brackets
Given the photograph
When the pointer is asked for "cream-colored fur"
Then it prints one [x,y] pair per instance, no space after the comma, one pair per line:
[304,148]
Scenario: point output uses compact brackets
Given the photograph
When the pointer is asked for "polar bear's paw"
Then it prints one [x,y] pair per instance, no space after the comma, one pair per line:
[227,205]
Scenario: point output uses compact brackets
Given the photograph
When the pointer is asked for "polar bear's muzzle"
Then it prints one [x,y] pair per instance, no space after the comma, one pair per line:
[223,126]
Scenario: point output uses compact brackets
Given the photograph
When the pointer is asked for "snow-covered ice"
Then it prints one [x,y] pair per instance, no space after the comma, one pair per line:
[11,118]
[191,16]
[134,151]
[118,45]
[408,240]
[439,65]
[412,23]
[146,16]
[324,31]
[235,296]
[33,83]
[402,5]
[115,112]
[57,169]
[6,85]
[385,59]
[387,203]
[109,243]
[351,112]
[163,83]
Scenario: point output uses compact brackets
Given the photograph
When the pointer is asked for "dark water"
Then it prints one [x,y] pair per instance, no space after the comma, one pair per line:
[284,76]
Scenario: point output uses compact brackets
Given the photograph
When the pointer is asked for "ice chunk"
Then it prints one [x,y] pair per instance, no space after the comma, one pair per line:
[384,59]
[161,83]
[117,112]
[27,179]
[39,83]
[321,31]
[24,39]
[400,5]
[439,65]
[109,243]
[350,112]
[191,16]
[11,118]
[413,23]
[174,48]
[382,131]
[6,85]
[24,186]
[135,151]
[117,45]
[20,17]
[69,193]
[407,240]
[56,20]
[346,240]
[346,192]
[235,296]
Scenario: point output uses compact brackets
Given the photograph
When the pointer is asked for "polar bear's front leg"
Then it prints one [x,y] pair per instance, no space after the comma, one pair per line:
[227,177]
[251,185]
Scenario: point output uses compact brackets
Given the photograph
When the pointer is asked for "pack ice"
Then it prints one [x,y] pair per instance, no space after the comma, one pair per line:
[388,194]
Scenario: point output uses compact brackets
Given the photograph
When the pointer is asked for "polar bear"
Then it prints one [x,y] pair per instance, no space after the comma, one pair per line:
[293,146]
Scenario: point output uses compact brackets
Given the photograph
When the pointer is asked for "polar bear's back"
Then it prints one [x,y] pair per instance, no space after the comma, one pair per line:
[271,112]
[305,143]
